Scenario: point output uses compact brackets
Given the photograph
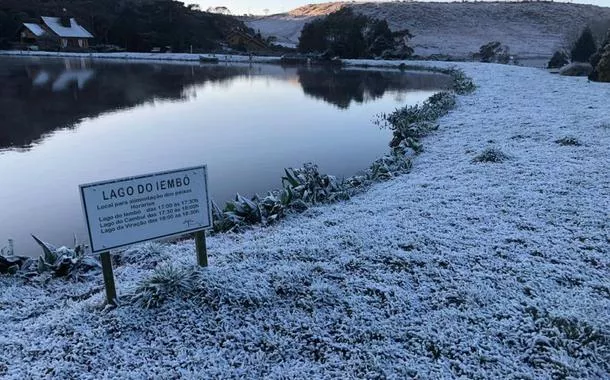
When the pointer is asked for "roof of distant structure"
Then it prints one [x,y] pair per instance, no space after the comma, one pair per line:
[34,28]
[75,30]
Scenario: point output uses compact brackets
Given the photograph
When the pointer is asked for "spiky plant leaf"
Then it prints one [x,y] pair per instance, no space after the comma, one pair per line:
[48,250]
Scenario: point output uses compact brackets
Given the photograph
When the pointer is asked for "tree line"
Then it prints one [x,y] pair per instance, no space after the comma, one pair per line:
[586,50]
[136,25]
[347,34]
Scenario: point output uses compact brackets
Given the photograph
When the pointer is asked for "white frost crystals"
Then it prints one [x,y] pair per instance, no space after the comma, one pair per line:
[457,270]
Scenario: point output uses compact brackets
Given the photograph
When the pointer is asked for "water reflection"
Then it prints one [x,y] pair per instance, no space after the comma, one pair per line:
[43,96]
[342,87]
[38,97]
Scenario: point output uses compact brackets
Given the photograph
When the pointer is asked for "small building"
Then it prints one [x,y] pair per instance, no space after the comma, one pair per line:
[31,33]
[66,31]
[241,40]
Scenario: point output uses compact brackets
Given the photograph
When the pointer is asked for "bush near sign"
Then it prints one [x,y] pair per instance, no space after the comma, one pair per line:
[131,210]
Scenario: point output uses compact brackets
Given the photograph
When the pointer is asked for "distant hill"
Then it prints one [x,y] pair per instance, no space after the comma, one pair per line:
[137,25]
[530,29]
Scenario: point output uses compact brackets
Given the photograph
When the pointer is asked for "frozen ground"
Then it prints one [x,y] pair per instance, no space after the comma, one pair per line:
[530,29]
[456,270]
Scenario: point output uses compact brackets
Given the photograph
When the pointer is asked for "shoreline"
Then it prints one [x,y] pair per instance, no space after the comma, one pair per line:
[222,58]
[458,269]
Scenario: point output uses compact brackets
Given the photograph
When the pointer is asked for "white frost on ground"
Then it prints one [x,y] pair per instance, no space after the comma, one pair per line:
[529,29]
[456,270]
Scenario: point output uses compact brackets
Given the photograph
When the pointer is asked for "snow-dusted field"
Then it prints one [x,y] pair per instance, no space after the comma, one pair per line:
[530,29]
[456,270]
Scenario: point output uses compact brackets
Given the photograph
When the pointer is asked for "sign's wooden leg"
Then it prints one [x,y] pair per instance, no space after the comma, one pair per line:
[202,252]
[111,297]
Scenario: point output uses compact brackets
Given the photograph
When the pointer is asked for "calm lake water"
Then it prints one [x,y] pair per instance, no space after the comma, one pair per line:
[69,122]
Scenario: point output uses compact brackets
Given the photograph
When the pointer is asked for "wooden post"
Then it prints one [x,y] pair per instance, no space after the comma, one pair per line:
[202,251]
[111,297]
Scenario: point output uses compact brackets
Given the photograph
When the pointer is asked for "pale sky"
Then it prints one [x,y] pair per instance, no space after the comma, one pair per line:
[277,6]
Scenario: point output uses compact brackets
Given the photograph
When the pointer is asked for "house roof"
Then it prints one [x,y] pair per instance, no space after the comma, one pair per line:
[241,33]
[75,30]
[34,28]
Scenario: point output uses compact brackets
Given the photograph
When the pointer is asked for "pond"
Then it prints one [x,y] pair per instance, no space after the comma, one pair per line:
[69,122]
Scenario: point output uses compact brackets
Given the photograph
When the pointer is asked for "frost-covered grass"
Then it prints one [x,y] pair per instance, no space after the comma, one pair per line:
[457,269]
[568,141]
[457,29]
[491,155]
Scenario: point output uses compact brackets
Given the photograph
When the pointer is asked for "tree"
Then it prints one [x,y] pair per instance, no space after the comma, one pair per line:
[219,10]
[494,52]
[597,58]
[584,47]
[350,35]
[136,25]
[558,60]
[603,67]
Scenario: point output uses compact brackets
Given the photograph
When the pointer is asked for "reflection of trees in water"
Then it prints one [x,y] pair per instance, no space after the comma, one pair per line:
[40,96]
[36,98]
[341,87]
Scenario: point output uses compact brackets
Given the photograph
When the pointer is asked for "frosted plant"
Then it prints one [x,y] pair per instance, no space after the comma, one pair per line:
[65,262]
[166,281]
[491,155]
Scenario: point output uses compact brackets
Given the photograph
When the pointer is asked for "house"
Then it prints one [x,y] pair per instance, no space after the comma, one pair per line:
[241,40]
[65,31]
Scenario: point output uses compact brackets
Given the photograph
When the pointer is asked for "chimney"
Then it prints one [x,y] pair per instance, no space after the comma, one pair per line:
[65,19]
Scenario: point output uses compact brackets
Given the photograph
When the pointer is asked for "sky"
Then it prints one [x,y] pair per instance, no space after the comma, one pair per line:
[278,6]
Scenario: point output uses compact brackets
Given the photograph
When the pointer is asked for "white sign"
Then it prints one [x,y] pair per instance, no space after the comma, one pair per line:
[131,210]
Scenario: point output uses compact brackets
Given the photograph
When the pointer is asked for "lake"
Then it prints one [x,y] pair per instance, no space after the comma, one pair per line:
[66,122]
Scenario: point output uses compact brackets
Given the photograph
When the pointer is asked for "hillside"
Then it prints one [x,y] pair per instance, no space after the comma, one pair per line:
[137,25]
[457,29]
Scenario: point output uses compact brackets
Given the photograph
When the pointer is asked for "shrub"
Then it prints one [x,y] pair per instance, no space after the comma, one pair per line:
[558,60]
[584,47]
[411,123]
[388,166]
[576,69]
[494,52]
[568,141]
[65,262]
[166,281]
[462,84]
[243,212]
[491,155]
[9,263]
[308,185]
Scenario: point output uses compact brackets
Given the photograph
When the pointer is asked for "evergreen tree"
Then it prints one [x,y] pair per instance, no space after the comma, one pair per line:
[597,57]
[603,67]
[558,60]
[584,47]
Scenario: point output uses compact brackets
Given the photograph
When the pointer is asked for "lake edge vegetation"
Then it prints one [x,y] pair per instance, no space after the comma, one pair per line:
[302,187]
